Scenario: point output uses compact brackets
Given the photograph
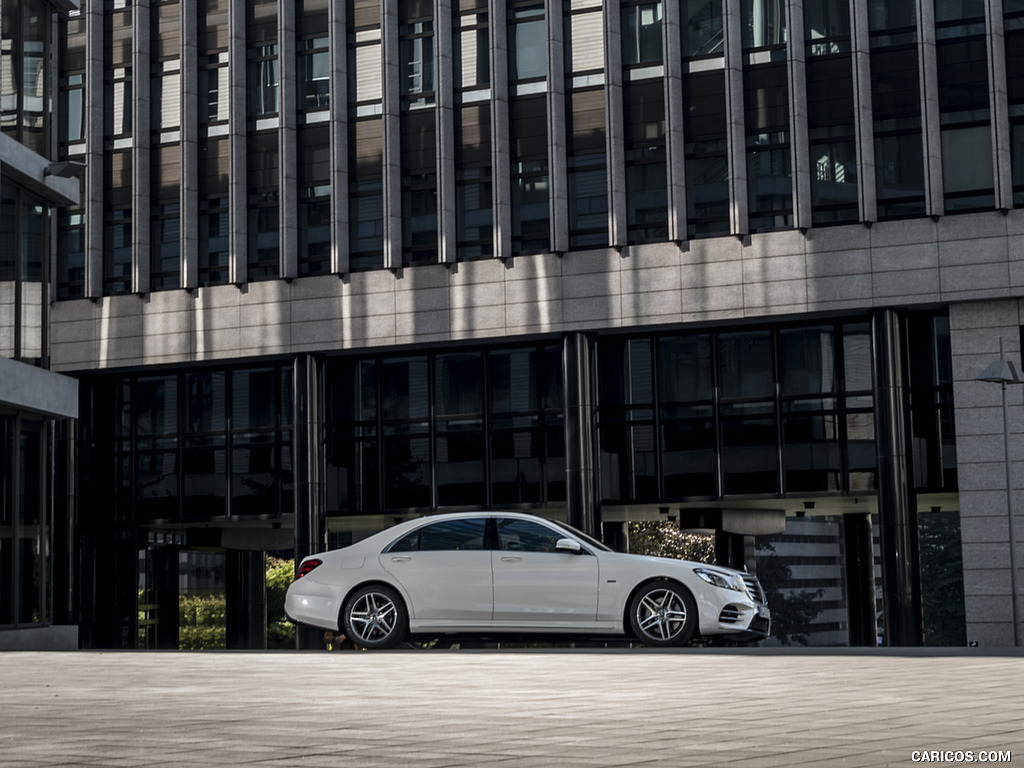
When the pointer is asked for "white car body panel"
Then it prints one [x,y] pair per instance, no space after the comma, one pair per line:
[493,590]
[443,585]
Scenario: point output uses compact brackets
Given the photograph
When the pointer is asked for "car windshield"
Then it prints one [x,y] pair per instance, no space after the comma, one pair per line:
[589,540]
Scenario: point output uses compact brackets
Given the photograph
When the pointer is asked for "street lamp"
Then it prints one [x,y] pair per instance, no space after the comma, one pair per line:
[1004,372]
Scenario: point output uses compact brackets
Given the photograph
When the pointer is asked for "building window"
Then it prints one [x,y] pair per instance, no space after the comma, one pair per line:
[529,163]
[896,101]
[588,171]
[1014,30]
[705,134]
[315,212]
[213,89]
[263,84]
[117,251]
[769,162]
[528,44]
[702,28]
[646,172]
[473,192]
[264,229]
[366,141]
[641,34]
[24,232]
[24,61]
[314,74]
[214,241]
[71,254]
[764,23]
[472,48]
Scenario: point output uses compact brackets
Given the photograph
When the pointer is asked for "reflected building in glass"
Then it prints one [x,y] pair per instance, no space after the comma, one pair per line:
[726,262]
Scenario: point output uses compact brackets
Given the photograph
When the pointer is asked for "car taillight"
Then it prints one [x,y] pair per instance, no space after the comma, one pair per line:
[307,566]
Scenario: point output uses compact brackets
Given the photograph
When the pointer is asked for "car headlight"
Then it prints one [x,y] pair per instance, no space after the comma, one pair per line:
[719,579]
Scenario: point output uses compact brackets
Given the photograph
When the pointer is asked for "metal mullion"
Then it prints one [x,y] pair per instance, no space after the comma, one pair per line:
[780,469]
[432,428]
[716,416]
[485,405]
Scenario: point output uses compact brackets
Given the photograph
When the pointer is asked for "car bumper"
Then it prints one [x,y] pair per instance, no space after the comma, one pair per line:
[313,604]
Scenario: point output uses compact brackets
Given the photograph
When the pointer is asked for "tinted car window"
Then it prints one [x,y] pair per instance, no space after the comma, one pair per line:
[408,543]
[526,536]
[453,535]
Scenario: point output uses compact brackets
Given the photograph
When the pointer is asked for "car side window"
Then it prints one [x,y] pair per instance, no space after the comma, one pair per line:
[408,543]
[517,535]
[459,535]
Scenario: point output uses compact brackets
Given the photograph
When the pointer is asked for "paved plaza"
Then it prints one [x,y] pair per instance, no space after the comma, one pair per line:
[431,709]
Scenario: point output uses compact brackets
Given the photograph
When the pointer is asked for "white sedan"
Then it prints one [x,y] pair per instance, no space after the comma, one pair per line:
[499,573]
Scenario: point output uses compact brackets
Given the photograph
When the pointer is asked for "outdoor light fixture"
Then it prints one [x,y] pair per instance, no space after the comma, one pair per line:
[1004,372]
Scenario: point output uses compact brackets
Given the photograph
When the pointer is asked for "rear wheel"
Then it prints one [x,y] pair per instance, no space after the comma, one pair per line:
[663,614]
[375,617]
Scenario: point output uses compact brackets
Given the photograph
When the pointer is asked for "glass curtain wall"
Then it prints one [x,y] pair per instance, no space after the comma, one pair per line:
[967,170]
[528,129]
[763,412]
[587,152]
[705,127]
[25,107]
[451,429]
[896,104]
[645,139]
[830,113]
[24,269]
[366,136]
[766,104]
[24,551]
[474,191]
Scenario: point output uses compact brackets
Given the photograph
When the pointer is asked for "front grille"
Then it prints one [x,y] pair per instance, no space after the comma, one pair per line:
[755,589]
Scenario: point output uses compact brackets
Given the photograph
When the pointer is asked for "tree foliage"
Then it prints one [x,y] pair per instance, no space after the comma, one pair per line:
[280,631]
[662,538]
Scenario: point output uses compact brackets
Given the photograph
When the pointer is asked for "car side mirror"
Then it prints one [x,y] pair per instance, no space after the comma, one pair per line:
[568,545]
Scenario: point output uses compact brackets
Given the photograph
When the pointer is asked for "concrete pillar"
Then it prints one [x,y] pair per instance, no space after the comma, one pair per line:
[189,189]
[796,71]
[501,170]
[863,108]
[558,163]
[287,143]
[238,204]
[999,112]
[975,332]
[338,35]
[615,127]
[92,200]
[445,122]
[739,207]
[675,141]
[141,148]
[931,132]
[392,136]
[580,474]
[897,502]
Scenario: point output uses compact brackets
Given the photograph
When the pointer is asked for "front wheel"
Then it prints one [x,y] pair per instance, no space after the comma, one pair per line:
[375,617]
[663,614]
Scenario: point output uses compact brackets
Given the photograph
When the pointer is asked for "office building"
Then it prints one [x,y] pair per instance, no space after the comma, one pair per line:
[728,261]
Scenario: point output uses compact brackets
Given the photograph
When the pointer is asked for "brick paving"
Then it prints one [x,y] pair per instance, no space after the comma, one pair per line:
[757,708]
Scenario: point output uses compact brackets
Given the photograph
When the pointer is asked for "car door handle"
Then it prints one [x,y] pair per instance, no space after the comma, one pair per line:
[400,559]
[511,559]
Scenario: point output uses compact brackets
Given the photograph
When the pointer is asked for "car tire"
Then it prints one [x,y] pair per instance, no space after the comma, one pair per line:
[663,614]
[375,617]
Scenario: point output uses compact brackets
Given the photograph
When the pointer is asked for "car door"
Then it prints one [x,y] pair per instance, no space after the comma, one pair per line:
[445,570]
[536,586]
